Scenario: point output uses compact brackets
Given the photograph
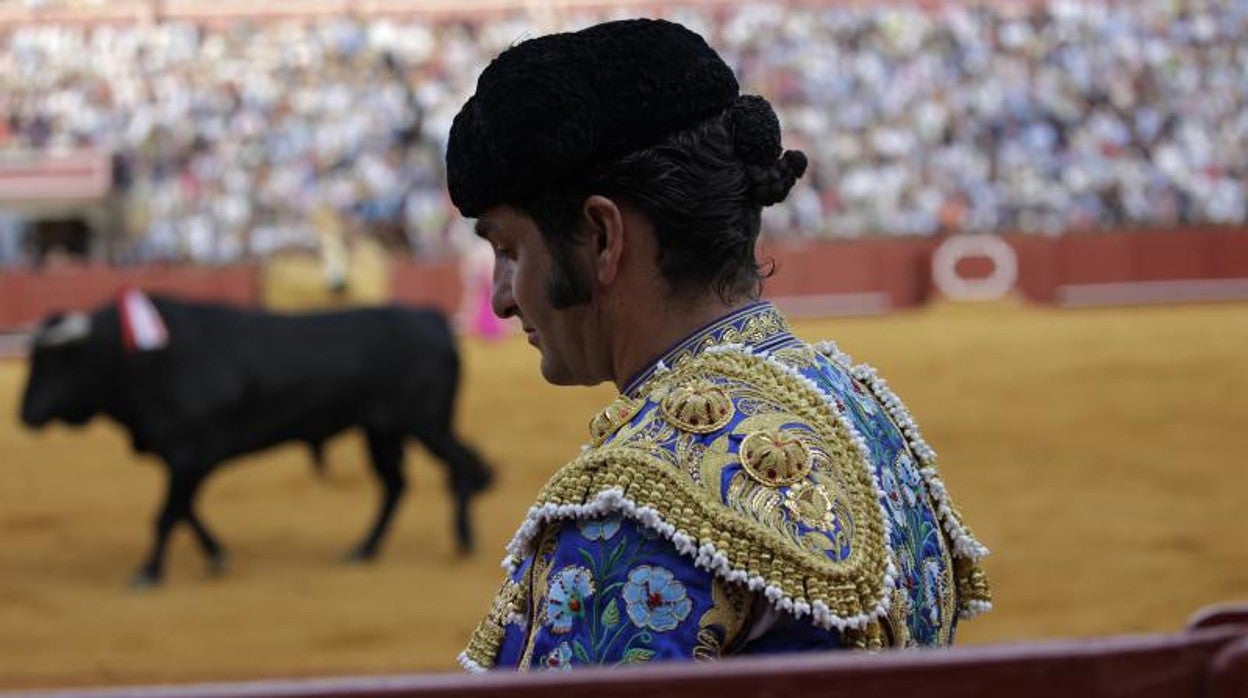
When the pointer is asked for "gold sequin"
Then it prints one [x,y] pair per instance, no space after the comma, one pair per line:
[776,458]
[699,406]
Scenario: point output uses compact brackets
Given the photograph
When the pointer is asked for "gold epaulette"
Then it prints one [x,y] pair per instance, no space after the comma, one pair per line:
[743,466]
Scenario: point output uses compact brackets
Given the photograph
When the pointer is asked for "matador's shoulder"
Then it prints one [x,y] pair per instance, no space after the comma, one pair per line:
[738,461]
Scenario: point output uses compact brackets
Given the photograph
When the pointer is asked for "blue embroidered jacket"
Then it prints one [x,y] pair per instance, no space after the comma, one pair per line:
[746,494]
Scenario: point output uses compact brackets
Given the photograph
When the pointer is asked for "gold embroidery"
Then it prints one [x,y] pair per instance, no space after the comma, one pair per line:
[616,415]
[759,503]
[690,451]
[699,406]
[750,528]
[745,522]
[488,637]
[972,584]
[757,329]
[776,458]
[899,620]
[810,504]
[871,638]
[801,356]
[538,581]
[947,589]
[723,622]
[767,504]
[760,326]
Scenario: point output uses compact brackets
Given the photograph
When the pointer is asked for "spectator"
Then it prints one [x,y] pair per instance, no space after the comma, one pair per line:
[1066,115]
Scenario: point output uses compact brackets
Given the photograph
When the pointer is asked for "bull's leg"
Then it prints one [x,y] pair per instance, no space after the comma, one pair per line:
[386,450]
[180,486]
[217,558]
[467,475]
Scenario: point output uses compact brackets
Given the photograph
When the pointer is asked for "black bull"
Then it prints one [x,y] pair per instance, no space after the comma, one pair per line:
[231,382]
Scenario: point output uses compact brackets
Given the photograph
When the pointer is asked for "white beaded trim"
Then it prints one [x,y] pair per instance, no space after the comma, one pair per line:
[470,666]
[974,608]
[705,556]
[963,542]
[829,349]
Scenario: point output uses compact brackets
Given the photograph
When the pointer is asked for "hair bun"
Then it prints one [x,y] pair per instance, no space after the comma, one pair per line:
[769,185]
[755,130]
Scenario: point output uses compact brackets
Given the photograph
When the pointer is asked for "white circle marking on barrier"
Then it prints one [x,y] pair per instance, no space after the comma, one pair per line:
[995,286]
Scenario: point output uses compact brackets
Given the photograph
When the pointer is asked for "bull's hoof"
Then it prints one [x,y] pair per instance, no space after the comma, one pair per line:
[464,543]
[360,556]
[144,580]
[219,564]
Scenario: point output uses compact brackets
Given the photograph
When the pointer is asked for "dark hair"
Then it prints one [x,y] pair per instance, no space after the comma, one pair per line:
[703,188]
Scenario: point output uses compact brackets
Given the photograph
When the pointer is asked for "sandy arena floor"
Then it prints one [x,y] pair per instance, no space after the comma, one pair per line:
[1098,452]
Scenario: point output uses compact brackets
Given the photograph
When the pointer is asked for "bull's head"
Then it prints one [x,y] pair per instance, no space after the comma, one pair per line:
[62,382]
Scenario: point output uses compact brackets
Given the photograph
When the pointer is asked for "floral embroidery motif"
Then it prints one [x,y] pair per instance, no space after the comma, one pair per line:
[916,542]
[599,529]
[655,599]
[587,619]
[892,492]
[559,658]
[565,601]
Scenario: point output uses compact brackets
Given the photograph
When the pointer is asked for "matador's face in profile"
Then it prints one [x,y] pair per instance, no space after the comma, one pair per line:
[523,271]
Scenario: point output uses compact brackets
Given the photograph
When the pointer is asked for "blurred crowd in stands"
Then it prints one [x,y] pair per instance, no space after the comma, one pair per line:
[236,141]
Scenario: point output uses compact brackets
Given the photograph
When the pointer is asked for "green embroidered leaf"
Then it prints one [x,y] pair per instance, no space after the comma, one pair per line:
[611,616]
[637,655]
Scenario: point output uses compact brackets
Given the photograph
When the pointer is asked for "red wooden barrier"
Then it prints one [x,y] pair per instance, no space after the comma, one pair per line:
[819,278]
[27,296]
[427,283]
[1149,267]
[1219,615]
[1202,662]
[849,277]
[1228,673]
[858,277]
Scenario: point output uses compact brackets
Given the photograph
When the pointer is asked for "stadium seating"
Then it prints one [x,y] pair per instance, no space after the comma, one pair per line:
[956,117]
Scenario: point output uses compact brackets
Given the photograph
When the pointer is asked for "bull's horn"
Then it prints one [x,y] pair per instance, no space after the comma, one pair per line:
[74,327]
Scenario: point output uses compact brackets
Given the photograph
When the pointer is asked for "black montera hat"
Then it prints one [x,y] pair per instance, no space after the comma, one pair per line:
[555,107]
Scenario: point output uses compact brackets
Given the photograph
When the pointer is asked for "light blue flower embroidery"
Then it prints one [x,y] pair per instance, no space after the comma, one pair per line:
[600,529]
[655,599]
[559,658]
[565,600]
